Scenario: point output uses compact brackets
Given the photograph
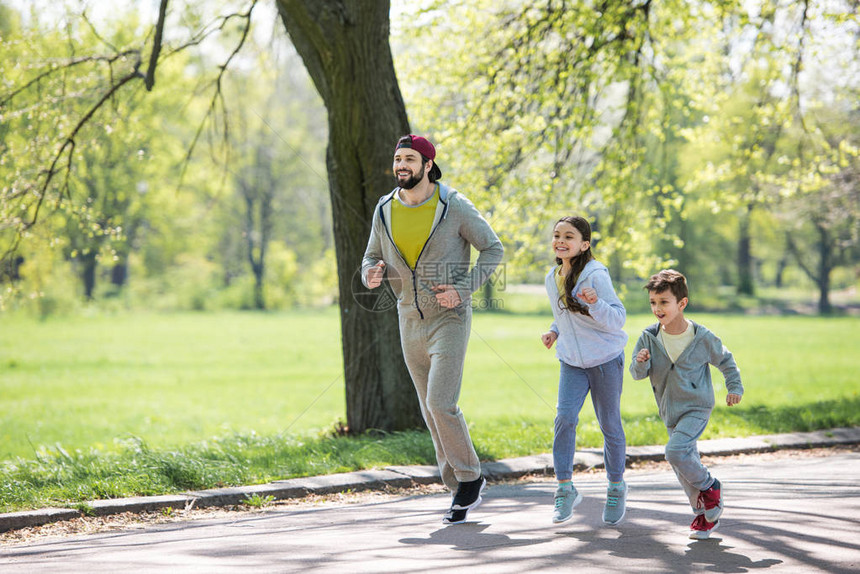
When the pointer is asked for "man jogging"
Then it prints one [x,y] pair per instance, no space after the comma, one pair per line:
[421,239]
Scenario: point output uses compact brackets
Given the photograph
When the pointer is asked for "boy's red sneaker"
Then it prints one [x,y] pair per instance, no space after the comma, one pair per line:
[712,501]
[701,529]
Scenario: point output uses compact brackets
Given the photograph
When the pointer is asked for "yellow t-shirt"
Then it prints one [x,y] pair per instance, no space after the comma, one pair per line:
[411,225]
[675,344]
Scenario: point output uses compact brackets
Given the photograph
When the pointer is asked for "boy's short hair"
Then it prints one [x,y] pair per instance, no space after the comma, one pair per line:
[668,279]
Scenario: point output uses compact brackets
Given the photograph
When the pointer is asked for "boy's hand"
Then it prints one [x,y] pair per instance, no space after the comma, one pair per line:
[588,294]
[548,338]
[643,355]
[732,399]
[374,275]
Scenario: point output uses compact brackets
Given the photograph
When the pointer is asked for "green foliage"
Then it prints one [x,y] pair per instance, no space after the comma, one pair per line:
[258,501]
[683,131]
[557,116]
[128,204]
[673,126]
[84,508]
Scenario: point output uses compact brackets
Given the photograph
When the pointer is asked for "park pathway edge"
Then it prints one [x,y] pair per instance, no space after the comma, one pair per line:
[405,476]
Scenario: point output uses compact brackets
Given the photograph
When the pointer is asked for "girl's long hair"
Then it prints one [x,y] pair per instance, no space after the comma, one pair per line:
[577,264]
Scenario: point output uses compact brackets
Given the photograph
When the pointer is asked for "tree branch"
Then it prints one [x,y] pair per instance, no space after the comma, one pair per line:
[797,257]
[798,65]
[96,33]
[218,96]
[156,46]
[69,143]
[207,31]
[65,68]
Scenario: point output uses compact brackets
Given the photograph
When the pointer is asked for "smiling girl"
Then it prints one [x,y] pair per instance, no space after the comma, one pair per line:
[589,321]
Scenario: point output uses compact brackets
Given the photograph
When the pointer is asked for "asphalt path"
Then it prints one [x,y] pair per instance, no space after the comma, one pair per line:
[796,514]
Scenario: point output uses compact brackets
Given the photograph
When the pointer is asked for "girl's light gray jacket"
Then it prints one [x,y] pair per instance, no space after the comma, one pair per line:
[445,258]
[684,387]
[588,341]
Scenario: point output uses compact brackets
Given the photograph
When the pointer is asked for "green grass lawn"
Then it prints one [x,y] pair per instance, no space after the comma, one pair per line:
[169,379]
[799,373]
[143,403]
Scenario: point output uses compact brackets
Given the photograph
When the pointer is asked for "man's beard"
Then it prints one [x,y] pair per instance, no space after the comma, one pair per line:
[411,182]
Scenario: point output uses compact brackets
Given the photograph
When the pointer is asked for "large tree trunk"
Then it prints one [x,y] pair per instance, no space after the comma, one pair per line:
[356,79]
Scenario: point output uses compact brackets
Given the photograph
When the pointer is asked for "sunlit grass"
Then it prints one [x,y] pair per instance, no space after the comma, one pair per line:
[108,406]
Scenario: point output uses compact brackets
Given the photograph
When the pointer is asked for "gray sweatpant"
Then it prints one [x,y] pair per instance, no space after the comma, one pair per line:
[683,454]
[435,349]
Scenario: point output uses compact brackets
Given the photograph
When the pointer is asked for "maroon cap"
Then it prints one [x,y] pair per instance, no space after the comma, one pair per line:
[420,144]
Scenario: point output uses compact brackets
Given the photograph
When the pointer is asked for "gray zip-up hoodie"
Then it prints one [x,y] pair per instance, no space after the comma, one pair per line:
[588,341]
[684,387]
[445,257]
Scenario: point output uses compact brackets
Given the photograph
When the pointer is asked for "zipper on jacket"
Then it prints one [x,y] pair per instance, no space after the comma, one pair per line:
[659,344]
[432,231]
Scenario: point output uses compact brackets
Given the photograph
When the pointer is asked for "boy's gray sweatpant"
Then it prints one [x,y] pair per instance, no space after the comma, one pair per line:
[683,454]
[435,349]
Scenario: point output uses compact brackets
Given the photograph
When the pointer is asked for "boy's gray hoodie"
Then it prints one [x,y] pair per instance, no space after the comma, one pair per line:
[684,387]
[588,341]
[445,257]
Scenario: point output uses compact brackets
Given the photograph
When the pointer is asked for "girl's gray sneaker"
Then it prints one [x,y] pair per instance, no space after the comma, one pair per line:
[566,499]
[616,503]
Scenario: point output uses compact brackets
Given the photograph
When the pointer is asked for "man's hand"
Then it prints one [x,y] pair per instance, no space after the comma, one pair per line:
[732,399]
[447,296]
[374,275]
[548,338]
[643,355]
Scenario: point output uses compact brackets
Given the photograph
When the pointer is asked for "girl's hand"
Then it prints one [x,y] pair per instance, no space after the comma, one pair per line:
[548,338]
[643,355]
[732,399]
[588,294]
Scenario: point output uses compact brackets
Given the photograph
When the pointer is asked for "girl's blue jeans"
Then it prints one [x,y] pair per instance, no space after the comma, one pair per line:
[604,381]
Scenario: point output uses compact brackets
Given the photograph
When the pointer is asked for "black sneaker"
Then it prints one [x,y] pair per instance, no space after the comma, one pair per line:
[455,516]
[469,494]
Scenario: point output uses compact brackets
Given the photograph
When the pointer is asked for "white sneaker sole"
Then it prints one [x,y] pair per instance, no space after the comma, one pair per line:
[474,506]
[624,513]
[703,534]
[620,518]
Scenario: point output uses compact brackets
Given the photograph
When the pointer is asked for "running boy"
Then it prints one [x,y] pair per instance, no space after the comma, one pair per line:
[675,353]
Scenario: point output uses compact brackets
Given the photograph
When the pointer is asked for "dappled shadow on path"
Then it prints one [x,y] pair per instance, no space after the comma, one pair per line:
[471,536]
[776,522]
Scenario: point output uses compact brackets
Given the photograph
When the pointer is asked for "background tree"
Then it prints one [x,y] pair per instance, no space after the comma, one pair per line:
[345,48]
[277,224]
